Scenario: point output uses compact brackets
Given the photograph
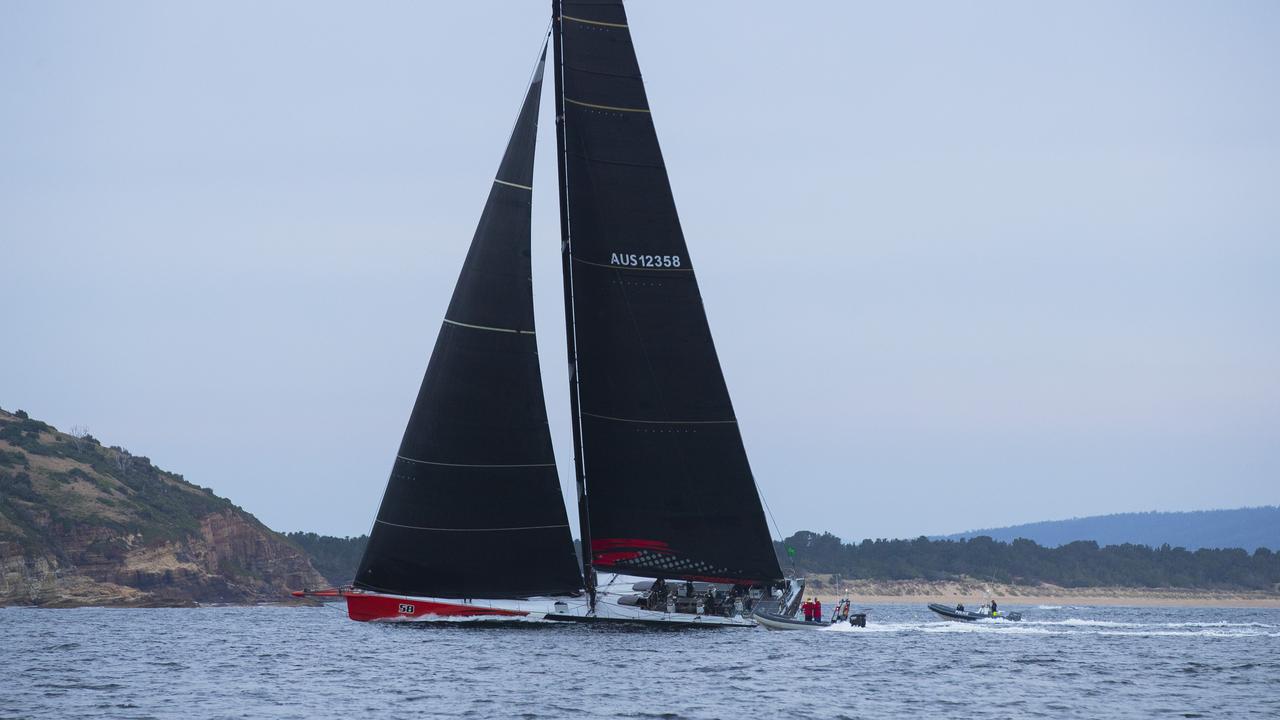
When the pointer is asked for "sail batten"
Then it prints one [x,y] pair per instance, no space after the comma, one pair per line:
[660,422]
[594,22]
[513,184]
[497,529]
[473,508]
[664,480]
[596,106]
[475,465]
[490,329]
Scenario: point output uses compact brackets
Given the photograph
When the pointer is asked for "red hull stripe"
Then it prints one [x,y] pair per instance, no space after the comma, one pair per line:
[366,607]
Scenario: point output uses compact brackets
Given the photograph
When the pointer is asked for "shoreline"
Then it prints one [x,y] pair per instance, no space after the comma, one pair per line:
[1064,601]
[862,593]
[974,592]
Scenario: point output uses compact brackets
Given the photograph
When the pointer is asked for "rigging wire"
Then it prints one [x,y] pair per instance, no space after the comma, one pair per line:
[546,37]
[776,529]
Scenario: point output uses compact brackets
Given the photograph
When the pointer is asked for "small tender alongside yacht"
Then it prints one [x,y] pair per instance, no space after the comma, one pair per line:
[987,611]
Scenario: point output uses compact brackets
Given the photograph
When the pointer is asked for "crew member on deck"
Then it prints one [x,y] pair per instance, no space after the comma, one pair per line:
[817,610]
[808,610]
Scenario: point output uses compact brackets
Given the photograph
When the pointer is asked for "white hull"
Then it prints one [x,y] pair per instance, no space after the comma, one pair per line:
[405,608]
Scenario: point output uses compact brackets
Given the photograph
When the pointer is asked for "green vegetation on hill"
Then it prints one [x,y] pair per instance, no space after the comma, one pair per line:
[77,480]
[81,523]
[1077,564]
[334,557]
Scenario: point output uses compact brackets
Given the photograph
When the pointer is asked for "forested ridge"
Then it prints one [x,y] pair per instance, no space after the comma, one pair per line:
[1077,564]
[335,557]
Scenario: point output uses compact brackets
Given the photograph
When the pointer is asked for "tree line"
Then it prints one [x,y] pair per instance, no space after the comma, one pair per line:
[1079,564]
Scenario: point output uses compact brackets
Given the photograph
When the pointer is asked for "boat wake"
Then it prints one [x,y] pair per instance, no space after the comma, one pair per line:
[1072,626]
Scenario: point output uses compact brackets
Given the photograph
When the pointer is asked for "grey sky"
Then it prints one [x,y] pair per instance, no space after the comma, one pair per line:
[966,264]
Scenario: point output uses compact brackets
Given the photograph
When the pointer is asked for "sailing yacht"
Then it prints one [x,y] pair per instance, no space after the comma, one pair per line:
[472,524]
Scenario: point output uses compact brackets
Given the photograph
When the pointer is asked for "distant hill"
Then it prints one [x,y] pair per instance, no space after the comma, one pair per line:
[1247,528]
[85,524]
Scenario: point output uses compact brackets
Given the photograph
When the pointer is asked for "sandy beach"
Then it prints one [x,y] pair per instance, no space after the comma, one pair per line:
[950,592]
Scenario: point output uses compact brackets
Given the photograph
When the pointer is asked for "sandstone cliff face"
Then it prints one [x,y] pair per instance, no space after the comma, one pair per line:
[81,524]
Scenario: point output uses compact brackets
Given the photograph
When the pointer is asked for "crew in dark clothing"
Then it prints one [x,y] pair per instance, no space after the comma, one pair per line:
[658,594]
[993,607]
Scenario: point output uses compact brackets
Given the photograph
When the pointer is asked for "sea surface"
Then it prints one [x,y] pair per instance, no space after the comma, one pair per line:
[294,662]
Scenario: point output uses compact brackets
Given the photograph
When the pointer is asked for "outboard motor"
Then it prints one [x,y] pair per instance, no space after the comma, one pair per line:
[791,603]
[858,619]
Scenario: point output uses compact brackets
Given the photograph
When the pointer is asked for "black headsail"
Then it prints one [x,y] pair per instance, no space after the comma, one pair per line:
[668,488]
[473,508]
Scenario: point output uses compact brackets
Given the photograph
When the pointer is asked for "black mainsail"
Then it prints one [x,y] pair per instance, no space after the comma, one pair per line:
[665,489]
[473,507]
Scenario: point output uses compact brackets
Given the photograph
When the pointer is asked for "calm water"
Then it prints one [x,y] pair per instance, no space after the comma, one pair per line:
[313,662]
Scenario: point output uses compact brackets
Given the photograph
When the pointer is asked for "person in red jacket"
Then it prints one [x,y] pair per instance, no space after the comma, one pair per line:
[817,610]
[807,607]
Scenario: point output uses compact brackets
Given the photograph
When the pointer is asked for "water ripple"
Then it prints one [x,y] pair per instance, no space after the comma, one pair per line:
[311,662]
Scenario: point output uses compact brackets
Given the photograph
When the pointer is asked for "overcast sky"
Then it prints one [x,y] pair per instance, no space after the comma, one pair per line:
[966,264]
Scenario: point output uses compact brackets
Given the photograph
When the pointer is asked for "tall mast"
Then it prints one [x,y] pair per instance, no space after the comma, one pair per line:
[566,259]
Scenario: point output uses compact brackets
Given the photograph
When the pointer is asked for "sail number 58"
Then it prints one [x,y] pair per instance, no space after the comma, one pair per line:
[648,261]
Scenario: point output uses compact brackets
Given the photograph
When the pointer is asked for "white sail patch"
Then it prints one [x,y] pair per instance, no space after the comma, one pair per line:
[645,261]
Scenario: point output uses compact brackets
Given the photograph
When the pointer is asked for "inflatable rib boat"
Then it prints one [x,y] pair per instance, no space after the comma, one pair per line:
[958,613]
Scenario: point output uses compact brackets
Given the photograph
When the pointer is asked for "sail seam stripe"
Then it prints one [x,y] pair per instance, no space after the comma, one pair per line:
[662,422]
[620,163]
[602,73]
[501,529]
[628,267]
[486,327]
[514,185]
[601,23]
[606,107]
[445,464]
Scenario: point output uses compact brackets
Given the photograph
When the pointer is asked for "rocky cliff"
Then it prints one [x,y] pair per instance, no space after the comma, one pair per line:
[85,524]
